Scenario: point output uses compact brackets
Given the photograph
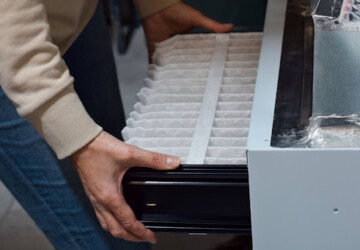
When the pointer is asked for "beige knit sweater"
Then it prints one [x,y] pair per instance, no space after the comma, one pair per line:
[34,34]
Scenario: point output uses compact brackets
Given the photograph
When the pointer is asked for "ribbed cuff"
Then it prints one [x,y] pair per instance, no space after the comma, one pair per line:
[149,7]
[64,123]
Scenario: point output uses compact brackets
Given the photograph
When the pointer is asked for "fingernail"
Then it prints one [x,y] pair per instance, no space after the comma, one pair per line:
[172,161]
[152,241]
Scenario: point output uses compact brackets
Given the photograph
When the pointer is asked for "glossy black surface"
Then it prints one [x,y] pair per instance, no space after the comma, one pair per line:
[294,94]
[191,199]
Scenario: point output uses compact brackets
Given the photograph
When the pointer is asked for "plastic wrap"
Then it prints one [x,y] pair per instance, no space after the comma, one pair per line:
[340,15]
[332,131]
[336,85]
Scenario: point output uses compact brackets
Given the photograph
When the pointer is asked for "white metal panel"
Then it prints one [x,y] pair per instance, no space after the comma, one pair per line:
[305,199]
[300,198]
[268,74]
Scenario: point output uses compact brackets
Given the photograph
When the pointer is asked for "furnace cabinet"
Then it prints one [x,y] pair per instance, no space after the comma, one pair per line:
[287,198]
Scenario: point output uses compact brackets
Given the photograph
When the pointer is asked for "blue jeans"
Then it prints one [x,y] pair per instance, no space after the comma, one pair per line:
[48,189]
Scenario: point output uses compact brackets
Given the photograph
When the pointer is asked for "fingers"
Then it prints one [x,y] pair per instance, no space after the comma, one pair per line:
[143,158]
[101,220]
[116,216]
[101,176]
[204,22]
[129,222]
[117,230]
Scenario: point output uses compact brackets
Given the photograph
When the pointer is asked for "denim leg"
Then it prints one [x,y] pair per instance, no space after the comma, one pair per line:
[49,190]
[51,193]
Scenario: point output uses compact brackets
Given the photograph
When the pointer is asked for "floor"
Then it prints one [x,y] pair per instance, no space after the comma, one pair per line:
[17,229]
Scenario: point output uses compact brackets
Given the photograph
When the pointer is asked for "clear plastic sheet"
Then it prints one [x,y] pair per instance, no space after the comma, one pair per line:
[332,131]
[337,15]
[165,118]
[336,76]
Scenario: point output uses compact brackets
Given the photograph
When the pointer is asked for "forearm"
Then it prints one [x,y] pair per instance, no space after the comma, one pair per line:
[37,80]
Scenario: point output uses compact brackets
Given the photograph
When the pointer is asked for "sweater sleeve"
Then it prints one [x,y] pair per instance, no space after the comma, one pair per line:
[36,79]
[149,7]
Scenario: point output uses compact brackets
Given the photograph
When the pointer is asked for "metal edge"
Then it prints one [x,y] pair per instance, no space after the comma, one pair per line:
[267,78]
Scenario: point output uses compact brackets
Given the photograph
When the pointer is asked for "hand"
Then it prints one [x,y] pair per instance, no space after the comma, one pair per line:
[101,165]
[176,19]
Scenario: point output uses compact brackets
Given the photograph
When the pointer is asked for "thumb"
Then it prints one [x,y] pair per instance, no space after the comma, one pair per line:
[144,158]
[204,22]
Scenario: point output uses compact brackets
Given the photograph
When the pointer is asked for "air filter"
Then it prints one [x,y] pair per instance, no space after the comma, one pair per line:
[198,98]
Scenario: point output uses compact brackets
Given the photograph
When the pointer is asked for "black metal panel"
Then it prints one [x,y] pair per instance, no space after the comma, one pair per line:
[294,94]
[191,199]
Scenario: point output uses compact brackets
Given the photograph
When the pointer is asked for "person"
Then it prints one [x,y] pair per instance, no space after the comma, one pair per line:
[36,84]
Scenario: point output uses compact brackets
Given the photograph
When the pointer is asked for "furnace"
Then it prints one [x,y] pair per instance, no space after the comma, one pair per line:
[233,106]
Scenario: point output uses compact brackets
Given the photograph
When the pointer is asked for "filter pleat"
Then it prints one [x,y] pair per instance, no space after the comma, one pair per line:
[167,115]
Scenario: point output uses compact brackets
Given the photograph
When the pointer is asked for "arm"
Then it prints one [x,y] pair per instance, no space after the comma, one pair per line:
[173,17]
[36,79]
[101,166]
[110,158]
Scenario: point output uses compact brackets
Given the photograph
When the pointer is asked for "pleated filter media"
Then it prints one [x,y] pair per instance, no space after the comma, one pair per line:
[198,98]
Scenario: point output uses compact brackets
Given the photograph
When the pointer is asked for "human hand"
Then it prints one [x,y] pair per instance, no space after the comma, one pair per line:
[176,19]
[101,165]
